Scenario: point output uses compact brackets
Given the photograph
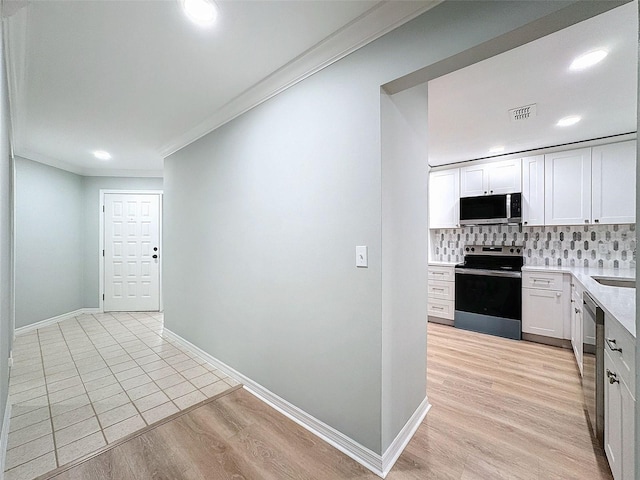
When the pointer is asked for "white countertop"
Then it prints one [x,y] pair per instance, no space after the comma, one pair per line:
[618,302]
[443,264]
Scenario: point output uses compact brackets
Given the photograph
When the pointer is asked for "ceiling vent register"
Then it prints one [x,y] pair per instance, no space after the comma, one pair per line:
[523,113]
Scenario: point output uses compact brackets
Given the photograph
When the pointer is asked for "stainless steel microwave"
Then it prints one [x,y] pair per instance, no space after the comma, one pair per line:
[491,209]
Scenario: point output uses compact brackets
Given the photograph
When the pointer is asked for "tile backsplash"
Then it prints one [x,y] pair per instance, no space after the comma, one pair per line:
[609,246]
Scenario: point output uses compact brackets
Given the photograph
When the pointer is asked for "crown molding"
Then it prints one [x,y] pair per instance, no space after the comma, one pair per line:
[87,172]
[45,160]
[14,29]
[379,20]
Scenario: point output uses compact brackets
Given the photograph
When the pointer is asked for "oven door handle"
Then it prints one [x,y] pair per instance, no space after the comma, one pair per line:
[488,273]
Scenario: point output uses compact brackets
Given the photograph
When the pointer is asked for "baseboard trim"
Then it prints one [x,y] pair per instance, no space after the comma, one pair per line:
[4,437]
[361,454]
[50,321]
[378,464]
[554,342]
[403,438]
[440,320]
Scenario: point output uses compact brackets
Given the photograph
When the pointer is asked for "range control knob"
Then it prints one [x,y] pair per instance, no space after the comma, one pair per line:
[518,250]
[473,249]
[466,249]
[511,250]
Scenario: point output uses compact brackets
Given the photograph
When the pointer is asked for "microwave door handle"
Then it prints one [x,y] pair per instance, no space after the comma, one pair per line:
[508,207]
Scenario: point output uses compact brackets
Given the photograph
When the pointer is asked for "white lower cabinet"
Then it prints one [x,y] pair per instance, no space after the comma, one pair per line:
[628,434]
[543,307]
[619,403]
[441,292]
[612,419]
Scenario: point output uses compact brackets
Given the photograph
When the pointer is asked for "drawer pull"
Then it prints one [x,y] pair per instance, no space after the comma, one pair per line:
[437,308]
[438,288]
[438,273]
[541,280]
[613,377]
[613,345]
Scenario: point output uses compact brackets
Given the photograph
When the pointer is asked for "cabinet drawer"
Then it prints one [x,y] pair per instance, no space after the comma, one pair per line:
[441,290]
[441,273]
[545,281]
[440,308]
[615,336]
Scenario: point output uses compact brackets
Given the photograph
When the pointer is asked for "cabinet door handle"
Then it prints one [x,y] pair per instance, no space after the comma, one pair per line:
[597,221]
[526,222]
[613,377]
[586,221]
[576,310]
[485,192]
[613,345]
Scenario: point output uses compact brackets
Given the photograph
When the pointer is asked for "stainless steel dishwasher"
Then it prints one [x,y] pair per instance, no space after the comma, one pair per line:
[593,365]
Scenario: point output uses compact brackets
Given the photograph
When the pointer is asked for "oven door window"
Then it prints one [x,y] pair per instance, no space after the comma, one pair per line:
[487,295]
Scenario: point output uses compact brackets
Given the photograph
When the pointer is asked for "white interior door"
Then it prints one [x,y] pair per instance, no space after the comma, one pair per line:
[131,252]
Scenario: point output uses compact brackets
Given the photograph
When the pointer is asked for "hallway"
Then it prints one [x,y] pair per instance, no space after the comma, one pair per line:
[86,382]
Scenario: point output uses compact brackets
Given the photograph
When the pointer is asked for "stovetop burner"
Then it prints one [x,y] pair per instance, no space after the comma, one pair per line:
[493,258]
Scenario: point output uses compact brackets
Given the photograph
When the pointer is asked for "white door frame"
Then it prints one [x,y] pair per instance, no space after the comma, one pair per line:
[101,244]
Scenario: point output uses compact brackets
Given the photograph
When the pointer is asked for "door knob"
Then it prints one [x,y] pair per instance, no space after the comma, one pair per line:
[154,256]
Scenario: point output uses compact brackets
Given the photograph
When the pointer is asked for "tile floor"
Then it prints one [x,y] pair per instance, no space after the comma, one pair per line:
[83,383]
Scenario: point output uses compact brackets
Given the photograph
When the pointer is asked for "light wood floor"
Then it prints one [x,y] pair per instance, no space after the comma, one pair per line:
[501,410]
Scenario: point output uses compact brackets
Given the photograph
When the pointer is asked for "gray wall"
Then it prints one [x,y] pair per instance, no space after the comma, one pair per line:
[6,283]
[404,256]
[263,214]
[637,392]
[91,187]
[57,238]
[49,242]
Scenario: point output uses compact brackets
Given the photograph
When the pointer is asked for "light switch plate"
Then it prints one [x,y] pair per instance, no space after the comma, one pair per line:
[362,259]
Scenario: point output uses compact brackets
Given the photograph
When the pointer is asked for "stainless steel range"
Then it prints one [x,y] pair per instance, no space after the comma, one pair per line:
[489,291]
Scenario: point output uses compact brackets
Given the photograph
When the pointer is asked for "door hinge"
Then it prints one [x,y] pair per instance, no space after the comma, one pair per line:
[102,208]
[103,296]
[103,252]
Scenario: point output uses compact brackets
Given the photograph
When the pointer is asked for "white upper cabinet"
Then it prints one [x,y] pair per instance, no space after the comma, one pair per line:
[505,177]
[533,190]
[474,180]
[444,198]
[613,179]
[567,178]
[491,178]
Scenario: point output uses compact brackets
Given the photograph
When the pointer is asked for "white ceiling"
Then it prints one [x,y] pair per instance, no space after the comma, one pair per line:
[468,108]
[138,79]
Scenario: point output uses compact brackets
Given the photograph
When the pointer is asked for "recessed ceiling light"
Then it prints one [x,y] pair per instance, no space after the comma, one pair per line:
[102,155]
[568,121]
[588,59]
[202,12]
[498,149]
